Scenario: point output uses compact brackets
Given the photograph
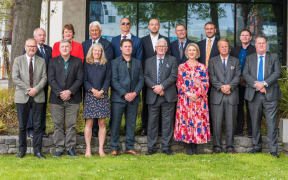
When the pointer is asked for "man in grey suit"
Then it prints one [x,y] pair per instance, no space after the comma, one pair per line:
[160,77]
[261,72]
[29,76]
[127,82]
[224,73]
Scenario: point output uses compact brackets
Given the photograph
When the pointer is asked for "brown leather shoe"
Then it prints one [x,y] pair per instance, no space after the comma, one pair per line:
[114,153]
[132,152]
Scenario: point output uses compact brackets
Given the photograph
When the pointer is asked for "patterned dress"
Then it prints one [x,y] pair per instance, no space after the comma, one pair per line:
[192,118]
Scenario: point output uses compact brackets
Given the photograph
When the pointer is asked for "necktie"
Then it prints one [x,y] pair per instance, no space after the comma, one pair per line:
[208,50]
[224,64]
[159,71]
[181,50]
[93,42]
[42,51]
[124,37]
[31,73]
[260,70]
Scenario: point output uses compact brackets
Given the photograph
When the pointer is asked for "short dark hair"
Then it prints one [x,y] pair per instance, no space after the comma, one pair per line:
[260,36]
[247,30]
[210,22]
[126,40]
[180,25]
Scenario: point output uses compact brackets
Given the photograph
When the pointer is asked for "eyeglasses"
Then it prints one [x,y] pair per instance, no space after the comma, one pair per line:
[161,46]
[31,46]
[125,23]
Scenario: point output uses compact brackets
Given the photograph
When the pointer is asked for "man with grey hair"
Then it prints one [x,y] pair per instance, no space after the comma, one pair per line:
[45,52]
[160,76]
[29,77]
[65,77]
[95,34]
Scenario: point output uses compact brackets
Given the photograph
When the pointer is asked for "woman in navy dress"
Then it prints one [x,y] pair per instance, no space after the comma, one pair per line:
[97,75]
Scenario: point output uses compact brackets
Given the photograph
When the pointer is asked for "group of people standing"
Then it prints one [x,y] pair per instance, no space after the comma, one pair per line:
[188,89]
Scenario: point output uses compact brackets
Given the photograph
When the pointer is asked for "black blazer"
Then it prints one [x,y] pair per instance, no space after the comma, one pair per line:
[58,82]
[122,82]
[235,51]
[148,50]
[107,46]
[174,49]
[202,47]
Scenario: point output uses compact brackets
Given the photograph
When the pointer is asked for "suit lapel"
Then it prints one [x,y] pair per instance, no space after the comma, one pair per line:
[69,67]
[267,60]
[25,65]
[254,64]
[165,64]
[133,69]
[154,67]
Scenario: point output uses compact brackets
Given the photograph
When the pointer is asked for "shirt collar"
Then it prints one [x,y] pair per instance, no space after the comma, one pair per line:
[163,57]
[184,42]
[222,58]
[152,37]
[33,58]
[212,39]
[258,56]
[96,40]
[128,36]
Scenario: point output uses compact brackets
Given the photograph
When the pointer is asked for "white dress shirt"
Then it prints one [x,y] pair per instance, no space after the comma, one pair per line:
[28,61]
[128,36]
[212,41]
[154,40]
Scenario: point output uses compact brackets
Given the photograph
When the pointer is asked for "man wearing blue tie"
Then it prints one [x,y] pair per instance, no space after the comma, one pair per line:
[261,72]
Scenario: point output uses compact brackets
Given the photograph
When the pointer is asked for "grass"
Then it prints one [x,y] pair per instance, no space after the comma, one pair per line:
[159,166]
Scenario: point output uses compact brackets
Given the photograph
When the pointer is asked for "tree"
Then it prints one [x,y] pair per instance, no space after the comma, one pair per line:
[26,17]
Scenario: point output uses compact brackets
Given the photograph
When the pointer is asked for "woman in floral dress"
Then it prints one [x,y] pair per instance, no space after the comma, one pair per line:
[192,115]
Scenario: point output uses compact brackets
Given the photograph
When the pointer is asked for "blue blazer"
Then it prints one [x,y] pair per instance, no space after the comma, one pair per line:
[122,82]
[107,46]
[174,49]
[137,47]
[202,47]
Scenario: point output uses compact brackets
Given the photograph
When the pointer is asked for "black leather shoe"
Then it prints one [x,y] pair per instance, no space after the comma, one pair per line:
[58,154]
[230,150]
[143,132]
[45,135]
[21,155]
[30,135]
[40,156]
[238,133]
[150,152]
[274,154]
[216,150]
[168,152]
[249,135]
[71,153]
[253,151]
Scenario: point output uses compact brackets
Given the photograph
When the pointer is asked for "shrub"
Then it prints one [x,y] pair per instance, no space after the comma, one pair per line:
[283,103]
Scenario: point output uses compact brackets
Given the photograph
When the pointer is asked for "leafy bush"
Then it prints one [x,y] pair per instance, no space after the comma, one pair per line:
[283,103]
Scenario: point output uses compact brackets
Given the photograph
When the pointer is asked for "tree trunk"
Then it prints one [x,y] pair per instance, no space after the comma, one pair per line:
[26,18]
[214,17]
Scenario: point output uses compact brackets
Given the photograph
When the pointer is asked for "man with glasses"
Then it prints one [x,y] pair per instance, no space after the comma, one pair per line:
[125,26]
[29,76]
[178,47]
[160,76]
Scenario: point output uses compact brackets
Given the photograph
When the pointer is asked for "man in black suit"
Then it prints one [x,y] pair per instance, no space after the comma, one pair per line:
[126,84]
[95,34]
[45,52]
[178,47]
[65,77]
[149,43]
[261,73]
[208,47]
[160,77]
[241,52]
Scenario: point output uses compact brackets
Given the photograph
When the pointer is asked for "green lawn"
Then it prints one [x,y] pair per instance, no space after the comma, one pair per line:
[159,166]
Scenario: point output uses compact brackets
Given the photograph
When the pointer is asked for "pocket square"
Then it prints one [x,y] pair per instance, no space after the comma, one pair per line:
[167,65]
[232,67]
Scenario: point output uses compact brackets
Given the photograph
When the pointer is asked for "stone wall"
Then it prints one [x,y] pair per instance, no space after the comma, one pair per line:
[9,145]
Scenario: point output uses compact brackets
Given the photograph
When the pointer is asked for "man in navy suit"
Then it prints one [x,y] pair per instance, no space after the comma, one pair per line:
[95,34]
[177,48]
[125,27]
[45,52]
[208,47]
[149,42]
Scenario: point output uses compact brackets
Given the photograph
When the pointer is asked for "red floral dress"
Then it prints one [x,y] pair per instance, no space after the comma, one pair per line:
[192,118]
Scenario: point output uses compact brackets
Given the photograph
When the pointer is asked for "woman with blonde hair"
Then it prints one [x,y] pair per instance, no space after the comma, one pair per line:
[192,116]
[97,75]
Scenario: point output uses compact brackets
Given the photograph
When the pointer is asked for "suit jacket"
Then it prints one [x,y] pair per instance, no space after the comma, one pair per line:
[48,54]
[137,47]
[107,46]
[235,51]
[168,78]
[122,82]
[217,76]
[58,82]
[20,77]
[202,46]
[272,72]
[148,50]
[174,49]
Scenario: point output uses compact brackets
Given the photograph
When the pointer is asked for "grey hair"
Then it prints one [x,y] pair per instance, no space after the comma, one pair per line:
[65,41]
[30,39]
[37,29]
[95,23]
[162,40]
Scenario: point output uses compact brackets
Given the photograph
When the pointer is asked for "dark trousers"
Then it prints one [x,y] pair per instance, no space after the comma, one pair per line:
[256,106]
[167,118]
[43,115]
[222,111]
[130,110]
[23,111]
[95,127]
[144,109]
[240,114]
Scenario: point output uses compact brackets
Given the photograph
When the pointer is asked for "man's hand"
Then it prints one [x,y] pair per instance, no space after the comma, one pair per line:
[32,92]
[226,89]
[259,85]
[263,90]
[157,89]
[130,96]
[242,81]
[65,95]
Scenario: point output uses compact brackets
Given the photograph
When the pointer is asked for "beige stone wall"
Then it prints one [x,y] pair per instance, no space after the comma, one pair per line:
[74,12]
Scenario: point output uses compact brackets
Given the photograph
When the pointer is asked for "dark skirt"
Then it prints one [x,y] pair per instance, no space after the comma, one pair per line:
[96,107]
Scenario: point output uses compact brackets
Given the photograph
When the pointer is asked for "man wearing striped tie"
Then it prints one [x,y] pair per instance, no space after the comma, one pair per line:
[261,72]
